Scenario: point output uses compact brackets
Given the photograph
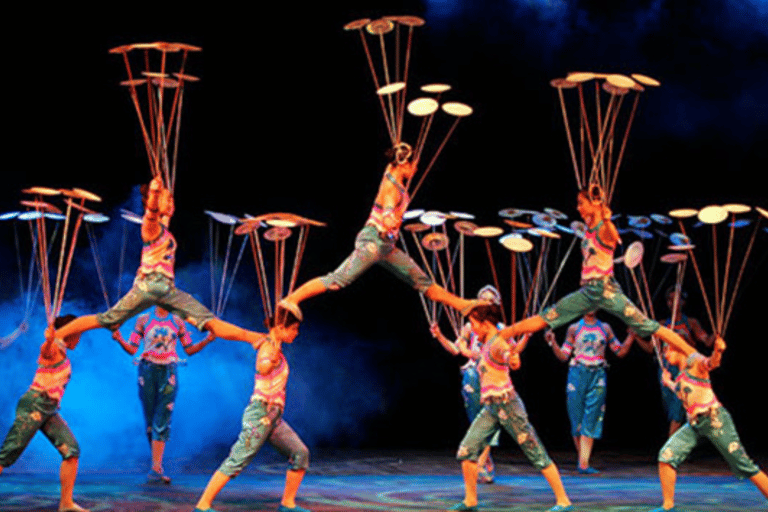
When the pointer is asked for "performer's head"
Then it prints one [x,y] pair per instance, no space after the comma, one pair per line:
[590,202]
[72,340]
[165,204]
[681,294]
[485,317]
[284,324]
[401,153]
[489,293]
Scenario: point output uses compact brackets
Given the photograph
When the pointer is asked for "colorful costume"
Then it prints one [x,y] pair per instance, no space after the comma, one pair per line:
[154,286]
[38,409]
[262,421]
[501,406]
[673,407]
[599,290]
[587,377]
[375,243]
[470,381]
[707,418]
[158,382]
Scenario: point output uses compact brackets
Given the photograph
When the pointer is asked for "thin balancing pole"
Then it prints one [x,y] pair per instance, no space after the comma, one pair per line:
[375,80]
[494,273]
[740,274]
[569,137]
[437,153]
[715,270]
[232,278]
[708,308]
[97,263]
[258,261]
[422,298]
[727,269]
[624,143]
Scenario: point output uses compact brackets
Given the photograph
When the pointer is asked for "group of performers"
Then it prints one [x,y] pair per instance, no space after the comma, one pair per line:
[491,349]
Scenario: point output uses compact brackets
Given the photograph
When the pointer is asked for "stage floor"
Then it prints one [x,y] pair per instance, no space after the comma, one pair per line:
[338,482]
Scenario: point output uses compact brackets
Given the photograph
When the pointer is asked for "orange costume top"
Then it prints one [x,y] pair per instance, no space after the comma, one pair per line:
[387,220]
[52,379]
[495,382]
[597,256]
[270,387]
[159,255]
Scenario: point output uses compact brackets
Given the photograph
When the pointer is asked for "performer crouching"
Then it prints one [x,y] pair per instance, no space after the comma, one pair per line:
[38,409]
[262,419]
[707,418]
[502,406]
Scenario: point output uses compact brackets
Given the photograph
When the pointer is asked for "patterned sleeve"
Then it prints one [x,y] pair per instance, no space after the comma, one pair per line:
[182,332]
[138,331]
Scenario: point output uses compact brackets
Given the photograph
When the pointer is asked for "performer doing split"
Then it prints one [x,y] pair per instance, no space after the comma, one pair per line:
[599,289]
[154,283]
[376,242]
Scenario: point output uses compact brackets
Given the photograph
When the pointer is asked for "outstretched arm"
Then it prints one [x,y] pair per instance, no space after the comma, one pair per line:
[191,350]
[449,346]
[128,347]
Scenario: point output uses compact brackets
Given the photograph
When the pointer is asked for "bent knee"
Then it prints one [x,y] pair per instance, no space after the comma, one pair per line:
[300,459]
[69,450]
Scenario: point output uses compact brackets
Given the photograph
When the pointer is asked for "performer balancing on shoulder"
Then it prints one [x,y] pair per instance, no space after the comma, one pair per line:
[262,420]
[691,331]
[154,283]
[158,377]
[469,345]
[501,407]
[38,409]
[707,419]
[585,344]
[599,289]
[376,242]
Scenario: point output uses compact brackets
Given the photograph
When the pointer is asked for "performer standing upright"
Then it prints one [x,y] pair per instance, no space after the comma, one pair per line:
[38,409]
[707,418]
[585,344]
[159,331]
[599,289]
[154,283]
[375,243]
[262,420]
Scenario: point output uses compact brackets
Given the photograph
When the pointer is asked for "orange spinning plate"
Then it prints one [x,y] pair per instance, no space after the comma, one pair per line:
[186,78]
[580,76]
[762,211]
[43,191]
[277,233]
[379,27]
[416,227]
[646,80]
[83,194]
[134,82]
[620,81]
[357,24]
[674,257]
[465,227]
[562,83]
[612,89]
[435,241]
[517,224]
[410,21]
[41,205]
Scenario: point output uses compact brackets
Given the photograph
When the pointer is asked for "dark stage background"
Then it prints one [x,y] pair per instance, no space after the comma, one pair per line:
[285,119]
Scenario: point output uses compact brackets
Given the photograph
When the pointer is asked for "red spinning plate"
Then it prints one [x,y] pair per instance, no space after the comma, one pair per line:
[379,27]
[357,24]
